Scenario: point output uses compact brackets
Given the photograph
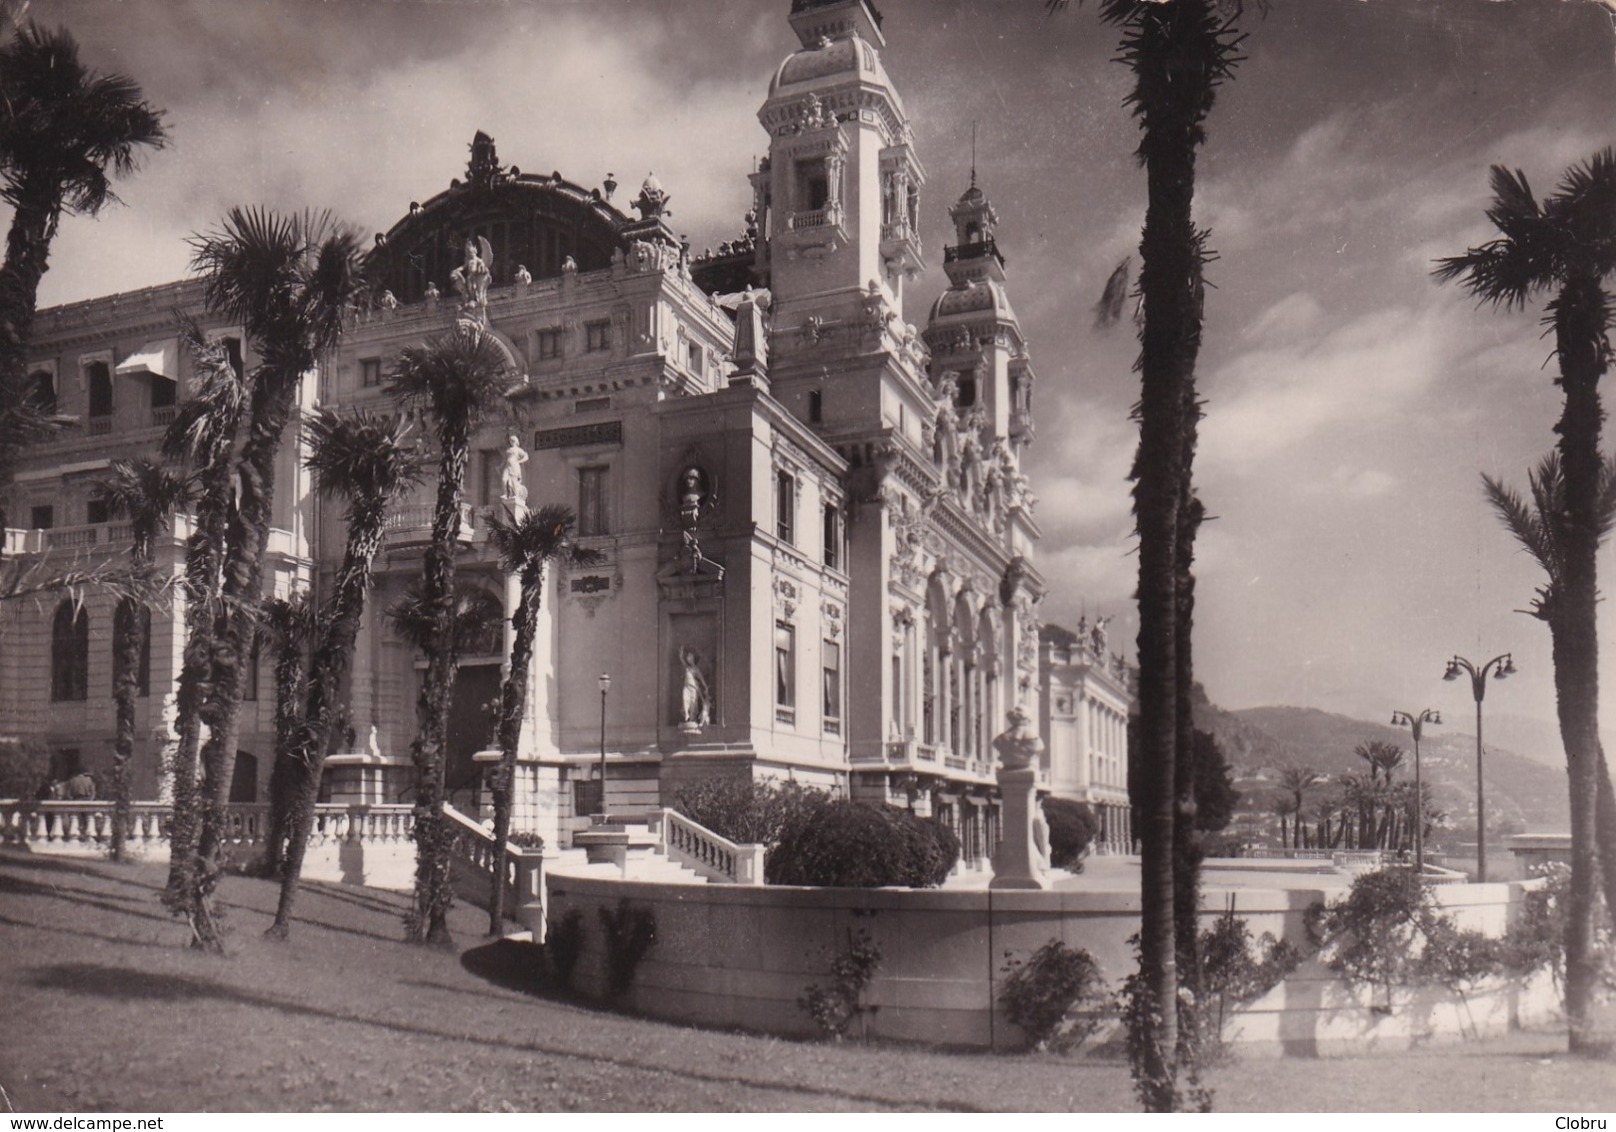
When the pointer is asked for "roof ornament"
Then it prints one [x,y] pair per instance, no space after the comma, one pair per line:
[652,201]
[484,169]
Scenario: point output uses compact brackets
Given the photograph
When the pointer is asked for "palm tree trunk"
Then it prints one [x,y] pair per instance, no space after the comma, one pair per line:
[130,636]
[286,777]
[203,555]
[513,706]
[429,919]
[1579,320]
[328,674]
[28,244]
[243,593]
[1187,852]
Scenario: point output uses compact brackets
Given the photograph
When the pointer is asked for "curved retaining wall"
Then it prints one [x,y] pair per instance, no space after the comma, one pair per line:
[732,956]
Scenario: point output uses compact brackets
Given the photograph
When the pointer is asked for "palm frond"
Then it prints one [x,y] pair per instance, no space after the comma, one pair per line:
[288,620]
[64,125]
[461,379]
[42,577]
[362,456]
[205,423]
[147,493]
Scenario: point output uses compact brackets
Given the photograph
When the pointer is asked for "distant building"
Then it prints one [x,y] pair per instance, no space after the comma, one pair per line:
[1086,696]
[817,539]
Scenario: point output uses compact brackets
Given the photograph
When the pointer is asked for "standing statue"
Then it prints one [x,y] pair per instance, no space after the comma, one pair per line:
[513,486]
[695,698]
[479,271]
[1097,637]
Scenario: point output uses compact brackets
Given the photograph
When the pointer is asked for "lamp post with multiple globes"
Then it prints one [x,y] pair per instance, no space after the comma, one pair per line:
[1415,723]
[1499,666]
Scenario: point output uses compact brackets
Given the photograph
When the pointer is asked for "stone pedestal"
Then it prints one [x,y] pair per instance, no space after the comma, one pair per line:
[357,778]
[1017,863]
[1020,862]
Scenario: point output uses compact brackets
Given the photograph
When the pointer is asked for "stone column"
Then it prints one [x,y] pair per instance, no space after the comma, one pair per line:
[1020,862]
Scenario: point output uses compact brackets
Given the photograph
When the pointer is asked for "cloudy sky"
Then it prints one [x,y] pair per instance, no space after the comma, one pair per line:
[1351,402]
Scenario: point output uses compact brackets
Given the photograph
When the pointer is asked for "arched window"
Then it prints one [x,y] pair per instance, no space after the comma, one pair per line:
[121,622]
[70,653]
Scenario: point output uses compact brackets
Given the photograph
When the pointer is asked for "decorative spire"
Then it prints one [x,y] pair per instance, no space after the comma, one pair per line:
[484,168]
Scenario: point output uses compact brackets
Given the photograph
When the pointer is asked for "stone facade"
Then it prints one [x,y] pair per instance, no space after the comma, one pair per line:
[816,541]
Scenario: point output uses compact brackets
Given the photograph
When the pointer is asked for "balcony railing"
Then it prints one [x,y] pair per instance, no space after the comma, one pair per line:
[99,426]
[814,218]
[163,417]
[413,523]
[987,247]
[72,538]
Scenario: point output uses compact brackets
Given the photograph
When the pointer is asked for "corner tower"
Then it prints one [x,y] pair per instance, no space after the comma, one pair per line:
[839,193]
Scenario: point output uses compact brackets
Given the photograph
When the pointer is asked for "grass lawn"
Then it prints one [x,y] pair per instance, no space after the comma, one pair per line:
[105,1009]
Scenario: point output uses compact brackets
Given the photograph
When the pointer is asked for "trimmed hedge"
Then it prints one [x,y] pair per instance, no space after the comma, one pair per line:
[1071,831]
[846,844]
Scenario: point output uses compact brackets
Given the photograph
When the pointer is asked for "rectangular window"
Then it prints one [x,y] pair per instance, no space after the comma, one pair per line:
[232,349]
[785,672]
[697,359]
[592,502]
[833,687]
[785,506]
[370,372]
[164,392]
[597,336]
[97,511]
[41,517]
[833,537]
[816,407]
[549,345]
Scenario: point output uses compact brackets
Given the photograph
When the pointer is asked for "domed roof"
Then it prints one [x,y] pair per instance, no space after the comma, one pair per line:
[977,295]
[851,58]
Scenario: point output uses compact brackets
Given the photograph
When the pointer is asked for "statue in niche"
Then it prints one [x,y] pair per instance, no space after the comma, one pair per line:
[694,496]
[513,485]
[695,696]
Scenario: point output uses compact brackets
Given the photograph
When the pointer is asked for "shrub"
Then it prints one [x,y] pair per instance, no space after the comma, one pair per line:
[562,946]
[1236,969]
[1071,831]
[844,844]
[1372,935]
[1041,994]
[746,811]
[629,932]
[24,769]
[833,1008]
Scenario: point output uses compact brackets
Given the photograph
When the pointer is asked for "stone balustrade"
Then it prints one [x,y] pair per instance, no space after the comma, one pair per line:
[85,828]
[472,858]
[705,852]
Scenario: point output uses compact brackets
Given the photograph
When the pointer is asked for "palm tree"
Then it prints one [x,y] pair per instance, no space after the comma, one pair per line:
[289,281]
[288,622]
[368,460]
[1567,245]
[1539,527]
[202,435]
[147,492]
[460,381]
[1297,781]
[1179,53]
[65,133]
[526,543]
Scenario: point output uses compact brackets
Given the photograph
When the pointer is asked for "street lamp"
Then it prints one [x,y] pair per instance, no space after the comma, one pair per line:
[605,686]
[1505,666]
[1415,722]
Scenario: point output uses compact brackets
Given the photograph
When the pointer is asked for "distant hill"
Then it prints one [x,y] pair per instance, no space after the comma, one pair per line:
[1267,739]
